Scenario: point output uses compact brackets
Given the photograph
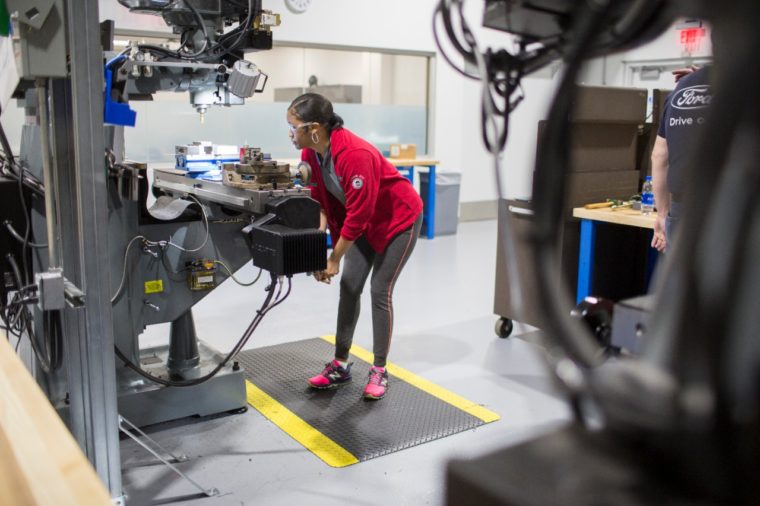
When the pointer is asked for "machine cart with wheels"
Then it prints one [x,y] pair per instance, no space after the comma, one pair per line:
[525,310]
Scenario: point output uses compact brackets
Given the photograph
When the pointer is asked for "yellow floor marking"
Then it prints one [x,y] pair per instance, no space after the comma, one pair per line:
[455,400]
[320,445]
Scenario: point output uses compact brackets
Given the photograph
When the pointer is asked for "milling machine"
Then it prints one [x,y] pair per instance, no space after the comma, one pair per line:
[92,205]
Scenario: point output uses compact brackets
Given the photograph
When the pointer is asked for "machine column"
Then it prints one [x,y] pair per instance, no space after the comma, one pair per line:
[84,230]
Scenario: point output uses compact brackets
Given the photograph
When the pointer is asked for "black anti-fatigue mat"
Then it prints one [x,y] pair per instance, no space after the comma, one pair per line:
[338,425]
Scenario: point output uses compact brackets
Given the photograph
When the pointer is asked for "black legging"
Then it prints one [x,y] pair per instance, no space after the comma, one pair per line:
[385,267]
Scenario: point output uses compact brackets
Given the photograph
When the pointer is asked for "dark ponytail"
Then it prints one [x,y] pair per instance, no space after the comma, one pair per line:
[314,107]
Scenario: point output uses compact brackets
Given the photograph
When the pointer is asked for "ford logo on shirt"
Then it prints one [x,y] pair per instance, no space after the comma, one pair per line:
[693,97]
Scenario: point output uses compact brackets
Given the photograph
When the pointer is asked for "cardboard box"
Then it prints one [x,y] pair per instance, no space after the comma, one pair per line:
[403,151]
[598,147]
[607,103]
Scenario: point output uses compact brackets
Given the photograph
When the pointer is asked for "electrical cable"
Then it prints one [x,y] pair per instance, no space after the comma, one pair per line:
[50,354]
[279,301]
[9,226]
[31,182]
[205,223]
[260,313]
[202,26]
[241,344]
[27,231]
[124,267]
[232,276]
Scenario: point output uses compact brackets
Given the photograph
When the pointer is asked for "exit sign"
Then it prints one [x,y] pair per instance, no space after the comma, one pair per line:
[691,39]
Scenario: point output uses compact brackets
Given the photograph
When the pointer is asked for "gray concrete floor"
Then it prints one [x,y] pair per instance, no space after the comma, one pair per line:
[444,332]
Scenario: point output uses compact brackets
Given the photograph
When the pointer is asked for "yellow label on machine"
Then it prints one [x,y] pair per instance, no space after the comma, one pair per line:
[154,286]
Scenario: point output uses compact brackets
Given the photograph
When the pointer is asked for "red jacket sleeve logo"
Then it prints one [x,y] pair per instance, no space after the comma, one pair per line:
[357,182]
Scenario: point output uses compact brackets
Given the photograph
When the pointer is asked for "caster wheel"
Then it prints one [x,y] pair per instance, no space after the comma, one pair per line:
[596,314]
[503,327]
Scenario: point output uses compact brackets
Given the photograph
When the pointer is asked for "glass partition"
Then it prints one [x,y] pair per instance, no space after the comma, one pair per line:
[165,123]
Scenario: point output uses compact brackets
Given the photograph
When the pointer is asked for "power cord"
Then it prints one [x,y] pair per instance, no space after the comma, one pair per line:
[236,280]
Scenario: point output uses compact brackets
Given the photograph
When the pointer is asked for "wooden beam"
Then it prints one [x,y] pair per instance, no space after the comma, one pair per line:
[40,462]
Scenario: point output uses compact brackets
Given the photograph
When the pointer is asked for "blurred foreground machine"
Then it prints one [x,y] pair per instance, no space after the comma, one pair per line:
[112,265]
[680,422]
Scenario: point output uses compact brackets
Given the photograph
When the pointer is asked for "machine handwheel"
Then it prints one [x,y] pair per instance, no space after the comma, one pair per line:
[503,327]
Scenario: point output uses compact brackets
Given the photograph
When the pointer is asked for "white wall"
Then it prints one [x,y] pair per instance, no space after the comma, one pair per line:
[285,69]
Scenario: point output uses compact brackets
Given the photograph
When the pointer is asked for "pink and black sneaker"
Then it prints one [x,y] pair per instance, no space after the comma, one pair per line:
[377,383]
[332,376]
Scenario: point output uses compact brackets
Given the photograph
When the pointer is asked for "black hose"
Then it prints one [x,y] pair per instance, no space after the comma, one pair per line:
[548,196]
[202,25]
[27,231]
[439,11]
[467,54]
[244,30]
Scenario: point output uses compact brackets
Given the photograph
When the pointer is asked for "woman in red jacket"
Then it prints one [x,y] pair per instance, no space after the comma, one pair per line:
[374,216]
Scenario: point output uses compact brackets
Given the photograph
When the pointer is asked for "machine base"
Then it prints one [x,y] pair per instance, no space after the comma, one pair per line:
[143,402]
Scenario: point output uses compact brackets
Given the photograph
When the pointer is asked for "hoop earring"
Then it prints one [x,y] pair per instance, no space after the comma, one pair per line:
[314,138]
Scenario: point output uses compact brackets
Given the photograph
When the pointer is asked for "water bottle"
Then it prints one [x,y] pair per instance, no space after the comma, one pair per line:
[647,196]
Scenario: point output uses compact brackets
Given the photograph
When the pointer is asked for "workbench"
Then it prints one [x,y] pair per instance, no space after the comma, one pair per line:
[586,252]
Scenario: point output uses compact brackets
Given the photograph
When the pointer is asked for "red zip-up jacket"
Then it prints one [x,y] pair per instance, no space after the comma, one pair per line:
[380,202]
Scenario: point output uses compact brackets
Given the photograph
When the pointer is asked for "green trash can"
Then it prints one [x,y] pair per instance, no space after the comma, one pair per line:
[446,201]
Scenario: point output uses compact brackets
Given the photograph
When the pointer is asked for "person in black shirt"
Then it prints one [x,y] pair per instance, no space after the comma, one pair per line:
[683,116]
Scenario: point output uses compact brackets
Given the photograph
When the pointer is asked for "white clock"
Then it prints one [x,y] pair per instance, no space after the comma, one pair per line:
[298,6]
